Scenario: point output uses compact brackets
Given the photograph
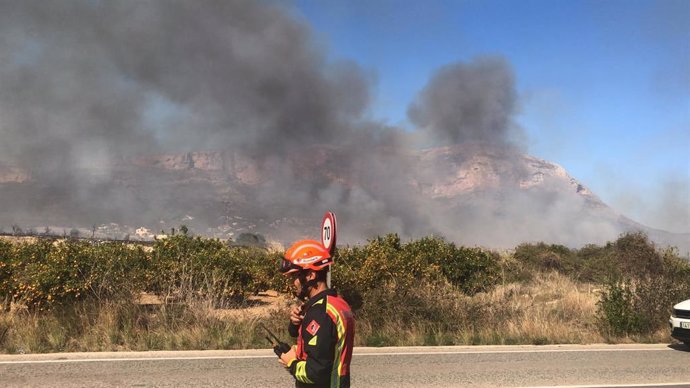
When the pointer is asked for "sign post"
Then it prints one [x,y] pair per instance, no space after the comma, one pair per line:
[328,238]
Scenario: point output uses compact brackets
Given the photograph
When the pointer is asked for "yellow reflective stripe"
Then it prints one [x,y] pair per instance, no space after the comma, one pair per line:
[318,301]
[301,372]
[340,327]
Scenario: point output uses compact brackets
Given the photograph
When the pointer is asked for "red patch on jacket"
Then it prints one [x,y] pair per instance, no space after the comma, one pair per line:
[313,327]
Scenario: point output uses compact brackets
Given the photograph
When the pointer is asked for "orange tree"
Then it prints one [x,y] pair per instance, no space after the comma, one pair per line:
[389,272]
[193,268]
[7,287]
[48,273]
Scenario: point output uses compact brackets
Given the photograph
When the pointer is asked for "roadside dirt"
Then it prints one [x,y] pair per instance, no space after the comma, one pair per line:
[19,240]
[256,306]
[259,306]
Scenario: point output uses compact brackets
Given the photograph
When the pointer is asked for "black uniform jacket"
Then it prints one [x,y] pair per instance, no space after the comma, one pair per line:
[324,342]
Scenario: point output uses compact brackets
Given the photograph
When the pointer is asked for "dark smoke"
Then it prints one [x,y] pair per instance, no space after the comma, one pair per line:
[468,102]
[88,86]
[84,82]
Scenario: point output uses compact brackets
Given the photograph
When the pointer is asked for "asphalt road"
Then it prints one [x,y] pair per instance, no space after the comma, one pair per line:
[476,366]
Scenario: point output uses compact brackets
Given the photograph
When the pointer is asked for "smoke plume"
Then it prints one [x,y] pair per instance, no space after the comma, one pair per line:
[88,81]
[89,87]
[468,102]
[88,84]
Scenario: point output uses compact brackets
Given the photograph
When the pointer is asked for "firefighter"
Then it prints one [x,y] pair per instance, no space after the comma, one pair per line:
[324,325]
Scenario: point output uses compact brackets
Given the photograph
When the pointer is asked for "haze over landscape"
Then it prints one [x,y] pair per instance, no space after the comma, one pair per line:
[259,116]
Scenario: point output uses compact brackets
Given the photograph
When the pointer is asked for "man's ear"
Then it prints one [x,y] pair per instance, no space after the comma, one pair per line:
[311,275]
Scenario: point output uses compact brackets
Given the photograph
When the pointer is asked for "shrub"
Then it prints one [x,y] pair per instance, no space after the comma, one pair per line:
[632,255]
[596,264]
[189,268]
[616,309]
[112,271]
[636,256]
[470,269]
[30,283]
[7,286]
[639,298]
[386,268]
[193,268]
[263,269]
[48,273]
[437,305]
[251,240]
[545,258]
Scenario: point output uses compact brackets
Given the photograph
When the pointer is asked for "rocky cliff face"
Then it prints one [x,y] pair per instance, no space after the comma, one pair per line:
[237,166]
[9,174]
[471,194]
[466,168]
[444,172]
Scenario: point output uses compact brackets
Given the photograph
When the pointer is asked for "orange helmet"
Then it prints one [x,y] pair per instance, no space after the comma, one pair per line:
[305,254]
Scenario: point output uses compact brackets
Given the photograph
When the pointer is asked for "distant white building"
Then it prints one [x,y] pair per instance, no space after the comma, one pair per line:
[143,233]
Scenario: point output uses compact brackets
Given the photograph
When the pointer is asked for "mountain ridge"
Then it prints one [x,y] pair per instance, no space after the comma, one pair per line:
[499,191]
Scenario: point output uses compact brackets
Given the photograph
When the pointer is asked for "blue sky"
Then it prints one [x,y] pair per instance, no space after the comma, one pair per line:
[604,86]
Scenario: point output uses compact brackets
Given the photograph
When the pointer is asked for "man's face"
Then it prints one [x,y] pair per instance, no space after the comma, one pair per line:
[297,282]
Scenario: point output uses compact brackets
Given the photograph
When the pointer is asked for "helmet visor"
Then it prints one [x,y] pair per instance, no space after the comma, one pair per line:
[287,267]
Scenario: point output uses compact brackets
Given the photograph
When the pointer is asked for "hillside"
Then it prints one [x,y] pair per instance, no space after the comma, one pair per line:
[474,194]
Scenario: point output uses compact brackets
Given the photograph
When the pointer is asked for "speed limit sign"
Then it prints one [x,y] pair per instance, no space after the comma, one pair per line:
[328,231]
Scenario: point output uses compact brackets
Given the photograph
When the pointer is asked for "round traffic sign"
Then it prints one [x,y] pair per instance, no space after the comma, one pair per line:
[328,231]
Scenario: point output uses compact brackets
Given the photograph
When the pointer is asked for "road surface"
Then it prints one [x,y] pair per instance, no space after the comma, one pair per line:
[461,366]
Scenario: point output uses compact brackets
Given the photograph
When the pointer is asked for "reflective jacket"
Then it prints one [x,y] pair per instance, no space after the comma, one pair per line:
[324,342]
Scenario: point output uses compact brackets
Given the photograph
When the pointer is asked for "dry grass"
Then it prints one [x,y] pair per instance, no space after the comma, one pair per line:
[115,327]
[550,309]
[19,239]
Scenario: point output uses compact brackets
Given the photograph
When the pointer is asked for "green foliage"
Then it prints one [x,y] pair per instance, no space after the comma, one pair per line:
[251,240]
[207,269]
[636,256]
[411,282]
[644,285]
[546,257]
[111,271]
[617,314]
[632,255]
[641,283]
[596,264]
[263,268]
[48,273]
[638,307]
[591,263]
[6,274]
[472,270]
[422,285]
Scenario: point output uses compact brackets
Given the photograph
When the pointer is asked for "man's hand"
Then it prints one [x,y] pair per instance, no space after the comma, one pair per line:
[287,358]
[296,315]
